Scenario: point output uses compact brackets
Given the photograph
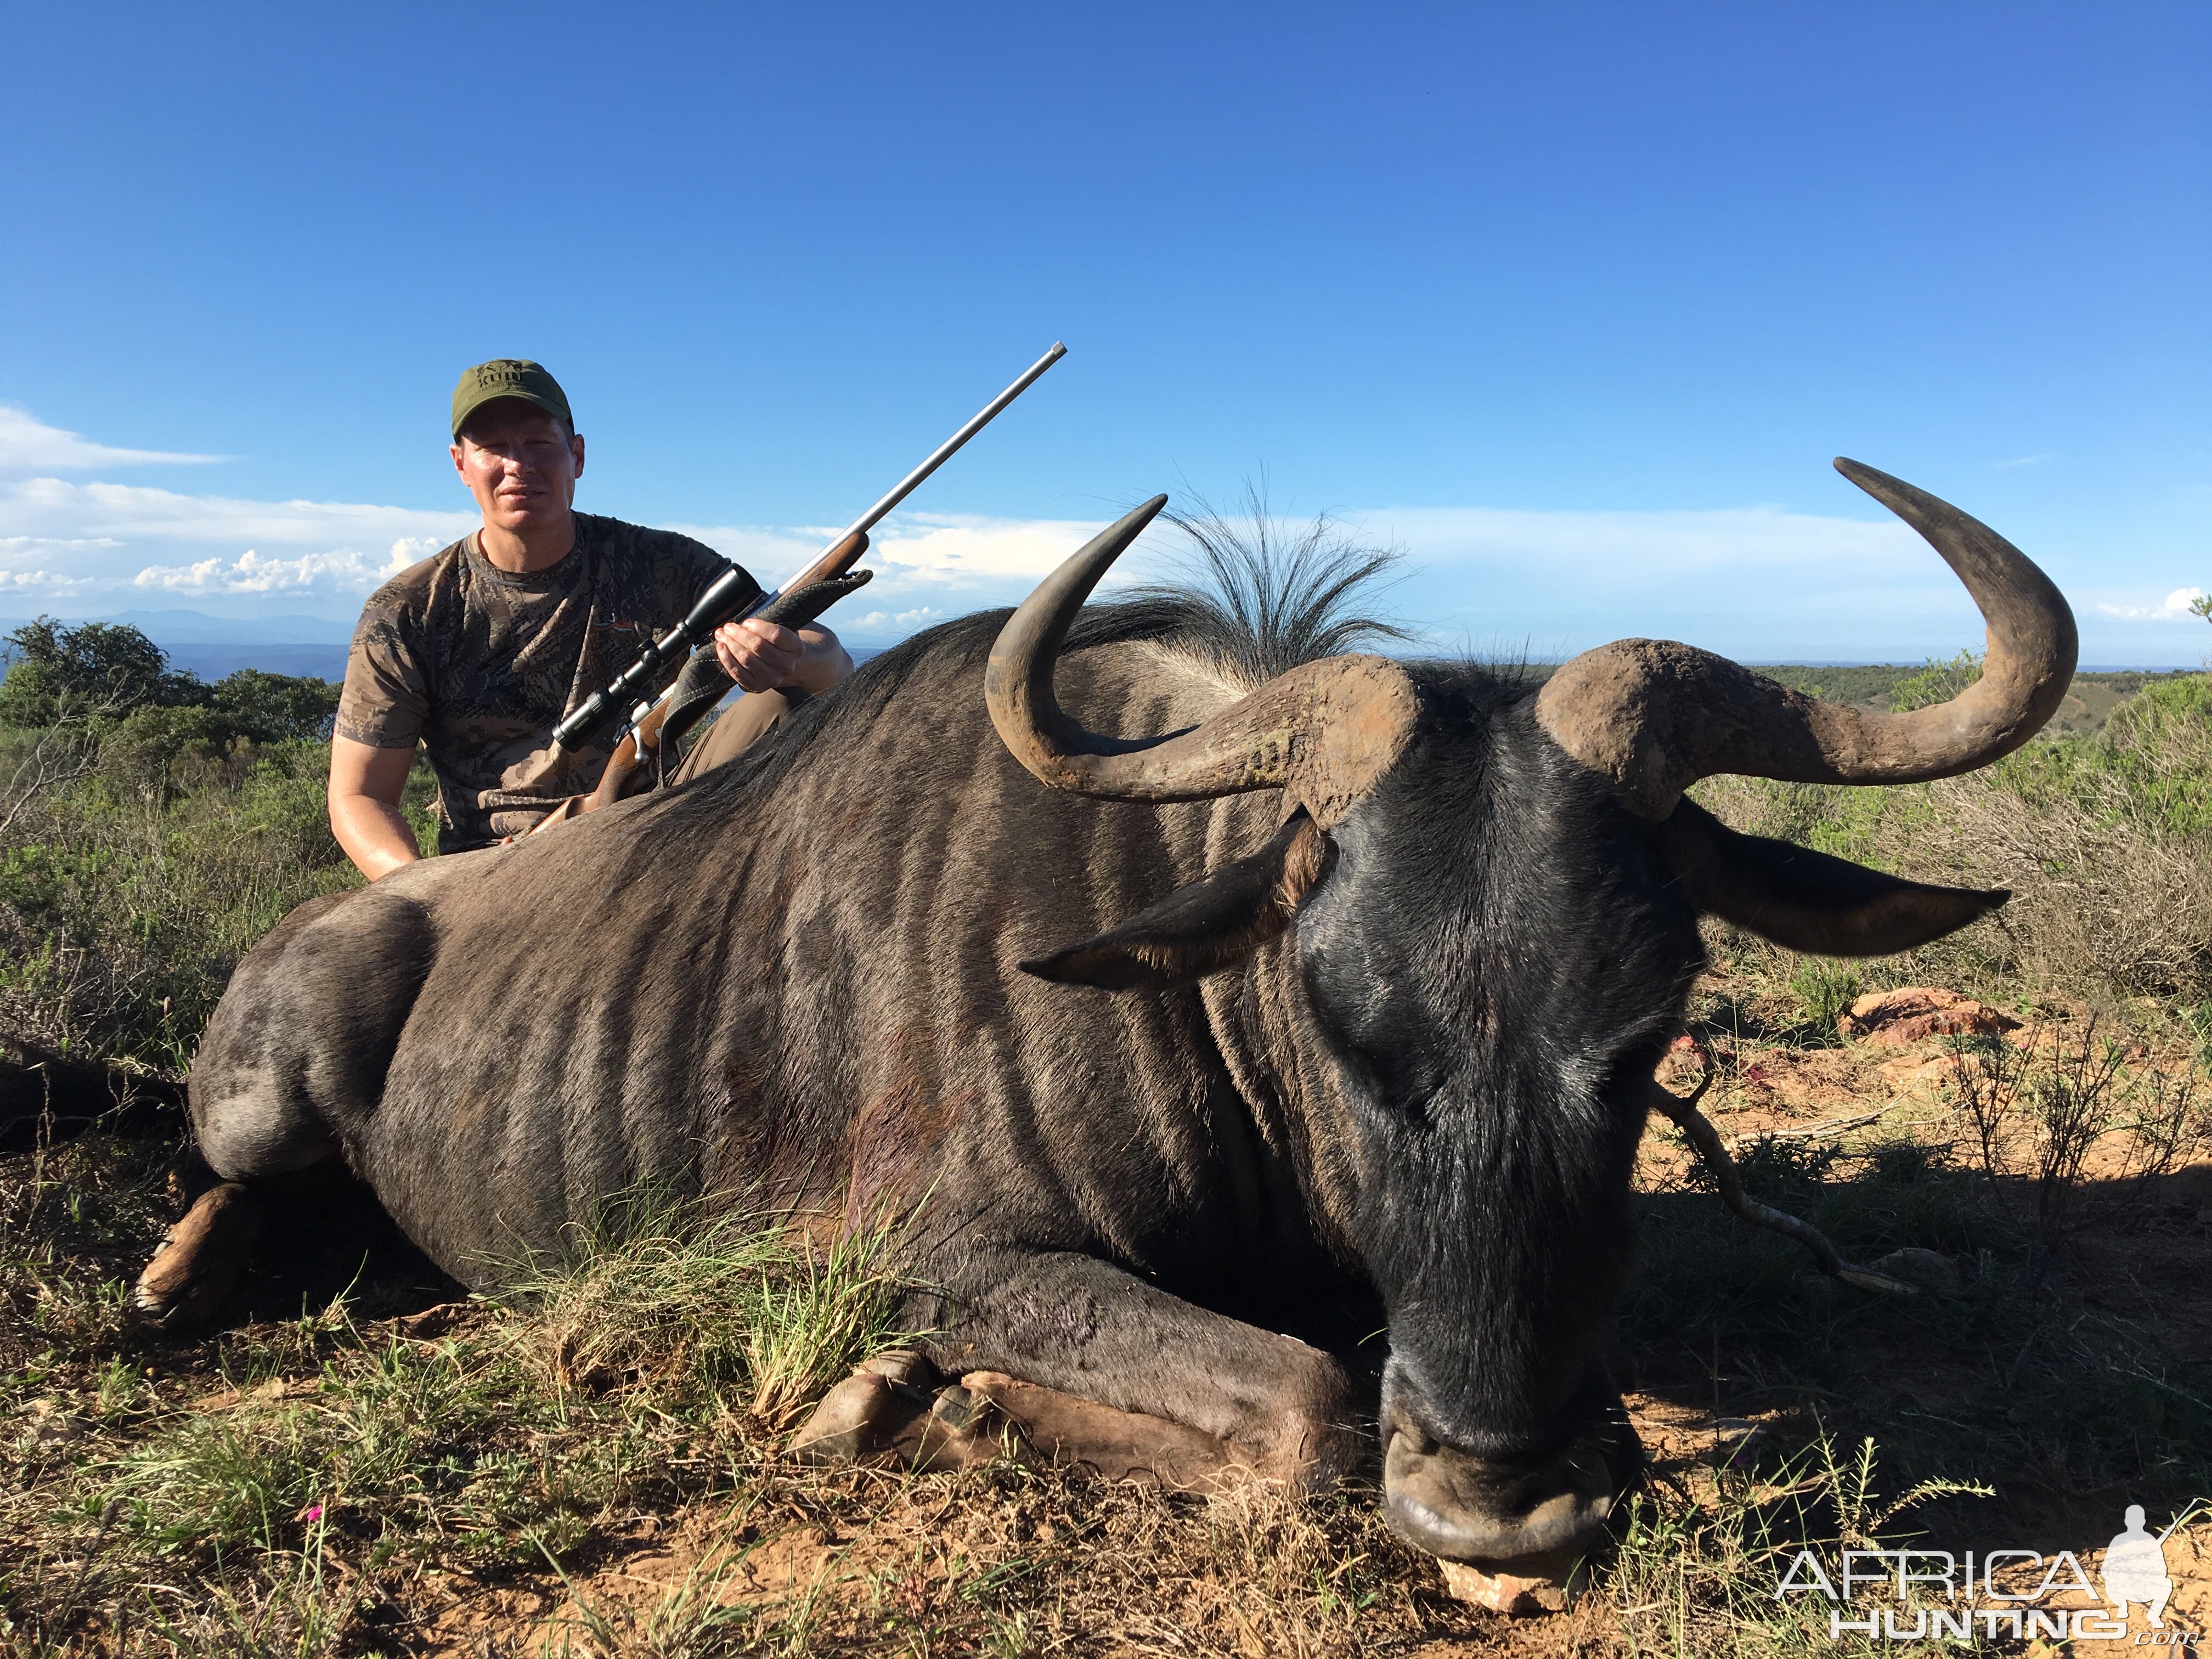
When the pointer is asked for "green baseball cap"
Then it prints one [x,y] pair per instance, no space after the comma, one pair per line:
[509,377]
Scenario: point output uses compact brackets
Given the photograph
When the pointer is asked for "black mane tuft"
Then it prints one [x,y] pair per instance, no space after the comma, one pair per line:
[1268,595]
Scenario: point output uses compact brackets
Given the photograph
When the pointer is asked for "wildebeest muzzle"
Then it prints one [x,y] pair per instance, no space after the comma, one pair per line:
[1533,1517]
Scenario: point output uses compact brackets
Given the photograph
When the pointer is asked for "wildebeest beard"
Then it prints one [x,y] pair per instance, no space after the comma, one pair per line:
[1347,996]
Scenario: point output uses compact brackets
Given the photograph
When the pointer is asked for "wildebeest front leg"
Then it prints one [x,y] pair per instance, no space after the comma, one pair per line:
[1084,1327]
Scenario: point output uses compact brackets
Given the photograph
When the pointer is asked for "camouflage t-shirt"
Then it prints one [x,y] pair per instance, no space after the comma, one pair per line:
[481,664]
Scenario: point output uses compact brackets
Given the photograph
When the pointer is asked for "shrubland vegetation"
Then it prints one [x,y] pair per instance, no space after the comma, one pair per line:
[2106,843]
[369,1461]
[152,827]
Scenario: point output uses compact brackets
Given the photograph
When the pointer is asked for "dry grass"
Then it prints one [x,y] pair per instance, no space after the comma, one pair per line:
[591,1467]
[731,1309]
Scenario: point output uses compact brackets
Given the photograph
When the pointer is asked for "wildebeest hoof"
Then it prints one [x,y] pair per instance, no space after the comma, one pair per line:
[1515,1522]
[965,1426]
[859,1417]
[902,1366]
[199,1261]
[883,1402]
[892,1411]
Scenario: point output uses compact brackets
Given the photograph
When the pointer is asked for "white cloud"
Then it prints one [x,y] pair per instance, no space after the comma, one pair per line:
[897,623]
[928,567]
[2029,461]
[43,581]
[122,538]
[412,550]
[952,546]
[16,546]
[947,546]
[2172,607]
[28,445]
[136,513]
[1559,580]
[771,555]
[1762,583]
[1650,550]
[251,572]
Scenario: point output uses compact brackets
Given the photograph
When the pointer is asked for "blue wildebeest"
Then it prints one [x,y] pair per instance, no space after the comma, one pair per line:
[1336,1008]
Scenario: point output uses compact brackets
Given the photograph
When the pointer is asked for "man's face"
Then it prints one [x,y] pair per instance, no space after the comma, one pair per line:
[519,465]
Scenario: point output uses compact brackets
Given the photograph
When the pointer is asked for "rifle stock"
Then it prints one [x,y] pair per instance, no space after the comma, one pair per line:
[658,728]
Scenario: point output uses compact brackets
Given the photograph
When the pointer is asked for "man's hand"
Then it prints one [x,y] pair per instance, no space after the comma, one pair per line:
[761,657]
[758,655]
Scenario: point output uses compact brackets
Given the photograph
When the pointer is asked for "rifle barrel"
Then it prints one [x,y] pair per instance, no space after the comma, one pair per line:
[716,605]
[945,451]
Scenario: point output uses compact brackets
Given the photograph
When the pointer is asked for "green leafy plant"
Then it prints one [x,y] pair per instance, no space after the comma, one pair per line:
[110,674]
[1825,989]
[1939,681]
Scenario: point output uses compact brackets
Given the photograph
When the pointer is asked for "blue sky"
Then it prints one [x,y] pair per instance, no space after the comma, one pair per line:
[1573,304]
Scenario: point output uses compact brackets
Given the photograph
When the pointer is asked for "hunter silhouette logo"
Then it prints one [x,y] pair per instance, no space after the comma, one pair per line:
[1958,1592]
[2134,1569]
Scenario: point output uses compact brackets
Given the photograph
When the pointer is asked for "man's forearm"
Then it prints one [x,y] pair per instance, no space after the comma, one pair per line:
[824,664]
[374,833]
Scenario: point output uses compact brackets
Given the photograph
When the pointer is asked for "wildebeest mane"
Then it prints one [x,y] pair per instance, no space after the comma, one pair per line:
[1261,597]
[1267,594]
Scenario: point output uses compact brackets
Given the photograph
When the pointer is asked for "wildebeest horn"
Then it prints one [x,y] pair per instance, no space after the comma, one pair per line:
[1655,716]
[1324,731]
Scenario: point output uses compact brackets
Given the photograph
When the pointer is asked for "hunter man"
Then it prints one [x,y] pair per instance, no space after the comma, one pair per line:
[479,651]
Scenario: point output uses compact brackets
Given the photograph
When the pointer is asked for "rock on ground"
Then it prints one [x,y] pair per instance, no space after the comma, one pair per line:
[1912,1013]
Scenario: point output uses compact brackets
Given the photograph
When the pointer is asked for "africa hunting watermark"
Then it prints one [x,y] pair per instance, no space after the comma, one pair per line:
[2134,1572]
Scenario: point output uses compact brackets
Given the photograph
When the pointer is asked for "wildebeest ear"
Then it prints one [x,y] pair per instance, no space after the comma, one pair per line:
[1213,924]
[1807,901]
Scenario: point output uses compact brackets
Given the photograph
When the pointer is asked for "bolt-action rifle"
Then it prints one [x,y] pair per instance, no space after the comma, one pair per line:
[656,726]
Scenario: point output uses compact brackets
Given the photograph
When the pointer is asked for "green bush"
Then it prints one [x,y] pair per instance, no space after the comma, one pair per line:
[129,892]
[1825,990]
[127,896]
[111,679]
[273,707]
[152,828]
[93,669]
[1939,681]
[2151,765]
[2160,744]
[139,749]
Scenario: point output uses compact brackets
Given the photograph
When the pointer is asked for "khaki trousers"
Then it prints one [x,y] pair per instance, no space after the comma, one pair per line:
[751,718]
[737,728]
